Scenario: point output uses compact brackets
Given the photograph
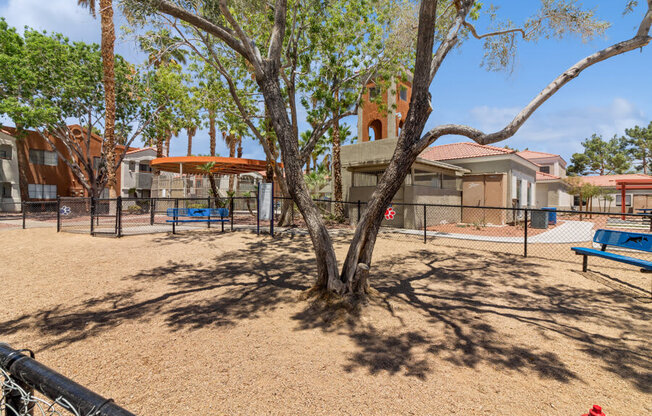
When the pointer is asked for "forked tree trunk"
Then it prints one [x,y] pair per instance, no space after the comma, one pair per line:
[108,63]
[358,259]
[327,270]
[159,146]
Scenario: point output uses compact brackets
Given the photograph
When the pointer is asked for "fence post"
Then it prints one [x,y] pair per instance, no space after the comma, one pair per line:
[271,221]
[258,213]
[231,207]
[152,209]
[92,216]
[222,218]
[22,208]
[424,224]
[525,235]
[358,211]
[118,216]
[58,213]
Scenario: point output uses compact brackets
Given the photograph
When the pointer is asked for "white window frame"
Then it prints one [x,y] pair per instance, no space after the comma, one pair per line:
[628,200]
[41,191]
[43,157]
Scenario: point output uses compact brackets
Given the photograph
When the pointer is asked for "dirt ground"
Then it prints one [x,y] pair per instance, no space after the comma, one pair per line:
[209,323]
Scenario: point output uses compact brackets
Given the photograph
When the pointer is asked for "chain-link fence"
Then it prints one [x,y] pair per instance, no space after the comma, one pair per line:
[28,388]
[545,233]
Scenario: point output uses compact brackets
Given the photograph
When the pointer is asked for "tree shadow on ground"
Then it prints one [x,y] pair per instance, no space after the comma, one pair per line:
[452,305]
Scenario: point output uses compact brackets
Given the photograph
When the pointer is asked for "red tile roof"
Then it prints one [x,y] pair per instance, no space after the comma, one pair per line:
[542,177]
[610,180]
[531,154]
[137,149]
[462,150]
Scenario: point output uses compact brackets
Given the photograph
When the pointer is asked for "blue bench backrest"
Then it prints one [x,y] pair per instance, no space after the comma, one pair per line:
[197,212]
[635,241]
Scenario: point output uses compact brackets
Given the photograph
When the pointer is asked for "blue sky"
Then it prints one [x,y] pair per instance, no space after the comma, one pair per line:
[605,99]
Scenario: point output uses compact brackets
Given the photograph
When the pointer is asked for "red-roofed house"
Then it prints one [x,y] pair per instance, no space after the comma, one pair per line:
[498,176]
[634,198]
[552,191]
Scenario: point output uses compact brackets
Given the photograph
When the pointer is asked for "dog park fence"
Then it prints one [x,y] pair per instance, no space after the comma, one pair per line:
[527,232]
[31,389]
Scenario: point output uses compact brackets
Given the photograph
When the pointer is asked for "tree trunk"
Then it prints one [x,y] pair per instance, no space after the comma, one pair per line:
[191,133]
[337,171]
[108,63]
[211,131]
[159,146]
[168,139]
[327,270]
[232,144]
[23,165]
[408,148]
[216,195]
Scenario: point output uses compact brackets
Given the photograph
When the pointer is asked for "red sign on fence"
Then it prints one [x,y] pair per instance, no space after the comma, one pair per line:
[389,213]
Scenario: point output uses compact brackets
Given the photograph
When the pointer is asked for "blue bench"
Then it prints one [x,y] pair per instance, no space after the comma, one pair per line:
[627,240]
[207,215]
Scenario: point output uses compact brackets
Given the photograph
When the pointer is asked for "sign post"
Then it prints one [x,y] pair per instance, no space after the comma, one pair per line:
[266,202]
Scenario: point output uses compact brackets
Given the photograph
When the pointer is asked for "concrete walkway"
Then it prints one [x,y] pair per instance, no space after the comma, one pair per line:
[566,232]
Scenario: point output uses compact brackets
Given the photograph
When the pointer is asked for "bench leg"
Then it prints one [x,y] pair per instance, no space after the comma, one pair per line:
[585,263]
[174,230]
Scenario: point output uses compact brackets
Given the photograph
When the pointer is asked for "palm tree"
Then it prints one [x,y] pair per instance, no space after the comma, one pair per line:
[108,65]
[191,130]
[207,169]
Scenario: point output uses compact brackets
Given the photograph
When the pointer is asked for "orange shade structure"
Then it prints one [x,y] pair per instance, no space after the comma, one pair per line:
[221,165]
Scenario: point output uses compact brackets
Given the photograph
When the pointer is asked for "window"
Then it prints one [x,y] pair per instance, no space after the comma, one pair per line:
[6,190]
[43,157]
[144,167]
[373,92]
[132,166]
[628,200]
[41,191]
[403,93]
[5,151]
[544,169]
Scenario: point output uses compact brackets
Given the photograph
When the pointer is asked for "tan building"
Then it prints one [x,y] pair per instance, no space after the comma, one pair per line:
[9,174]
[551,190]
[612,200]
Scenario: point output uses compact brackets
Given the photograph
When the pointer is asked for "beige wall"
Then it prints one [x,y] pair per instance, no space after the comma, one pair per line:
[9,174]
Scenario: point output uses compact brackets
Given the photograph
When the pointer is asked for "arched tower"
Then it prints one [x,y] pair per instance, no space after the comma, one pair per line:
[374,124]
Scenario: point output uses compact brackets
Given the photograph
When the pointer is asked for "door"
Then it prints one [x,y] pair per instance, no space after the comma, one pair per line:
[473,195]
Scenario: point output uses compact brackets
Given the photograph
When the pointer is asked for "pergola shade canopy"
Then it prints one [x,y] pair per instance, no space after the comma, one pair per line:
[222,165]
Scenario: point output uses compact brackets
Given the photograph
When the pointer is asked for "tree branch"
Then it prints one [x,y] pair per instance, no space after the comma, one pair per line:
[508,131]
[451,37]
[278,32]
[216,30]
[497,33]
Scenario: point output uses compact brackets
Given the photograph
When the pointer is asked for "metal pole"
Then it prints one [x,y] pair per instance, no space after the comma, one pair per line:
[525,235]
[58,213]
[271,221]
[358,211]
[424,224]
[232,205]
[152,209]
[56,386]
[92,216]
[222,218]
[258,211]
[118,217]
[22,206]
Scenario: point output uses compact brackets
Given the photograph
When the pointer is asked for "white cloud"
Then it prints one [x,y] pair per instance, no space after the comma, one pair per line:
[63,16]
[561,131]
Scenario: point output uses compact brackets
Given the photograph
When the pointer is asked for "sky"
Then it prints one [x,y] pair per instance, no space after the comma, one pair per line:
[605,99]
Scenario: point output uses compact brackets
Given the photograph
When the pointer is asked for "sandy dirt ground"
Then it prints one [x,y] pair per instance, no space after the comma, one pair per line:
[208,323]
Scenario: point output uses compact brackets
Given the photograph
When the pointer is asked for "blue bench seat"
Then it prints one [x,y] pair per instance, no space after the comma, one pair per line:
[187,215]
[626,240]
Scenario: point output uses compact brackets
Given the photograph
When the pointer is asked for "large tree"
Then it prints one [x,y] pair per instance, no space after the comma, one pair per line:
[108,65]
[263,45]
[47,82]
[639,147]
[601,157]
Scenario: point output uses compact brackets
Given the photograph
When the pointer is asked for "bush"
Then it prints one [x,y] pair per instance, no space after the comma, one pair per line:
[134,209]
[197,206]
